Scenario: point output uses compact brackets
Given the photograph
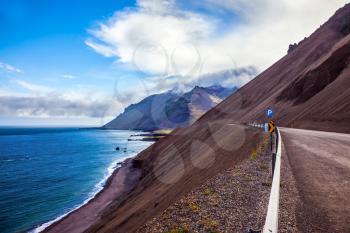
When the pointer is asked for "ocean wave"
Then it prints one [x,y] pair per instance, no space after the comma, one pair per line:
[17,158]
[98,187]
[7,160]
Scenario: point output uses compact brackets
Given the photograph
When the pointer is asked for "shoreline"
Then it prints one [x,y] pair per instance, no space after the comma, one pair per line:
[119,182]
[99,187]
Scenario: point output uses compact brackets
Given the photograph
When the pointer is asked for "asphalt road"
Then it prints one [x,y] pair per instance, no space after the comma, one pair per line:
[320,163]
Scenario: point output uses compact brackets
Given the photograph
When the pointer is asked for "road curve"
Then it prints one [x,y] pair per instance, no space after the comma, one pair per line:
[320,162]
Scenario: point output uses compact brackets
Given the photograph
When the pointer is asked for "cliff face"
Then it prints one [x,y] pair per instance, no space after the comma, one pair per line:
[170,110]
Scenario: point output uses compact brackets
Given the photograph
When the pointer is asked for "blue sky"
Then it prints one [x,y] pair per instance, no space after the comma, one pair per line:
[46,39]
[82,62]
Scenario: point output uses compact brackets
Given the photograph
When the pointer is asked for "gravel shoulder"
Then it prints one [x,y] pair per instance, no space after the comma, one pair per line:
[234,201]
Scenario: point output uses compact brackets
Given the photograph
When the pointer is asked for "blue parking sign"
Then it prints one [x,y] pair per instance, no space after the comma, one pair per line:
[269,112]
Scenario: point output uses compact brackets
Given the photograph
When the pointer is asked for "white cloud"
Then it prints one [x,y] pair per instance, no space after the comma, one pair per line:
[6,92]
[235,77]
[68,76]
[9,68]
[43,101]
[163,37]
[147,37]
[51,105]
[33,87]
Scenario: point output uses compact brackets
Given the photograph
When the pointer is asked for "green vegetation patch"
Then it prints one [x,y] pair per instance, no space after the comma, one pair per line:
[177,230]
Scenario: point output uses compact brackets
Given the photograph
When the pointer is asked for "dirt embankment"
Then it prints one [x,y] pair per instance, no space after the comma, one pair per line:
[233,201]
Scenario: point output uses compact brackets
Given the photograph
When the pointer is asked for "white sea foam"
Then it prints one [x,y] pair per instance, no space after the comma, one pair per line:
[98,187]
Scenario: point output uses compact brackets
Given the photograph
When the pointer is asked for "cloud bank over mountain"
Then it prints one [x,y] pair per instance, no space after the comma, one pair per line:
[39,101]
[193,38]
[33,100]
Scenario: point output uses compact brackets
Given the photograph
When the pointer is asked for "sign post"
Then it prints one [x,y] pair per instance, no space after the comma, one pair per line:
[269,113]
[271,124]
[271,128]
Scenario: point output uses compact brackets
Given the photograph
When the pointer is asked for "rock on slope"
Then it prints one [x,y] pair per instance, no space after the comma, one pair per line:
[170,110]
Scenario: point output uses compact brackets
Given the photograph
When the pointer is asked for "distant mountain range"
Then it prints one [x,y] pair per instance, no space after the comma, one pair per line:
[170,109]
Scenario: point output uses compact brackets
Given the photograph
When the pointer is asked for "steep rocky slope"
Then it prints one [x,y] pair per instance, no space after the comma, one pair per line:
[308,88]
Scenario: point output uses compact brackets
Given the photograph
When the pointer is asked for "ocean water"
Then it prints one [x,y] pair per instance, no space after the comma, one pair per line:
[48,172]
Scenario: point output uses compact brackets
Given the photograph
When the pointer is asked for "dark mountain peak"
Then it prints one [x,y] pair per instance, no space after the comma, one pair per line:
[341,20]
[170,109]
[214,90]
[152,98]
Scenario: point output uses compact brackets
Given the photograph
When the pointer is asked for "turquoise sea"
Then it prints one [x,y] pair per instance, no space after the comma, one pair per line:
[48,172]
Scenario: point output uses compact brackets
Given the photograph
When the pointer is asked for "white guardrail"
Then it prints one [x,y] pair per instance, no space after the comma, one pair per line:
[271,222]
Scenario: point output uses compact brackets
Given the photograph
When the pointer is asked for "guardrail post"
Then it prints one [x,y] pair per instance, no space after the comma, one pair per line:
[273,163]
[276,132]
[274,153]
[271,142]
